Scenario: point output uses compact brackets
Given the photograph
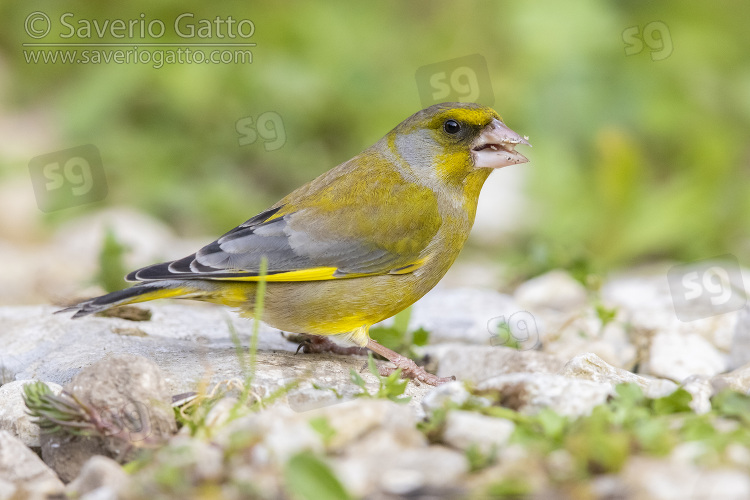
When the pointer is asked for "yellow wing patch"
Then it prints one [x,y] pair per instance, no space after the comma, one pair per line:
[314,274]
[317,274]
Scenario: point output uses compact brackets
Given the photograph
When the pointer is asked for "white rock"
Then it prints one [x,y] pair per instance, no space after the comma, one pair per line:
[646,303]
[737,380]
[353,420]
[461,314]
[554,290]
[739,353]
[476,363]
[531,392]
[699,386]
[18,464]
[464,429]
[13,412]
[589,366]
[664,480]
[98,472]
[676,356]
[451,393]
[7,489]
[281,431]
[566,336]
[401,473]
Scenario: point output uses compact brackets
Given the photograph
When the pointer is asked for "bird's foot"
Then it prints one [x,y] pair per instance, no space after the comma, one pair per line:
[409,369]
[310,344]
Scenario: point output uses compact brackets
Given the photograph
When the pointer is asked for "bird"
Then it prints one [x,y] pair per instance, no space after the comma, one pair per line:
[358,244]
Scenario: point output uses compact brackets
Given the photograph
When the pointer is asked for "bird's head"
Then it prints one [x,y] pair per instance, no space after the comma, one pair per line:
[453,139]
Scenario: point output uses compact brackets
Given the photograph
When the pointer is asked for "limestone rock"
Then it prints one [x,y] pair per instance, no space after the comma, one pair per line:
[461,314]
[554,290]
[677,356]
[98,472]
[464,429]
[477,363]
[20,465]
[589,366]
[130,397]
[13,412]
[531,392]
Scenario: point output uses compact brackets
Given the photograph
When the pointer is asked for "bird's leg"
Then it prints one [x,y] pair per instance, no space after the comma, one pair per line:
[408,367]
[310,344]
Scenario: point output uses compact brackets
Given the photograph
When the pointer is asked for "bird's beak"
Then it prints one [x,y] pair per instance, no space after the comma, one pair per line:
[495,146]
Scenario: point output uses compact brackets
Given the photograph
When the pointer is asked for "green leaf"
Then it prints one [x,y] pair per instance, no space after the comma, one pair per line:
[112,266]
[733,404]
[629,394]
[677,402]
[604,314]
[323,427]
[389,337]
[553,425]
[420,337]
[309,478]
[401,321]
[356,379]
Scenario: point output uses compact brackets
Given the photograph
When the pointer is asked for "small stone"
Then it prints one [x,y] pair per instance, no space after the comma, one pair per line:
[401,472]
[13,412]
[699,386]
[7,490]
[677,356]
[453,393]
[67,454]
[464,429]
[589,366]
[98,472]
[477,363]
[18,464]
[129,395]
[280,432]
[665,480]
[353,420]
[569,335]
[737,380]
[644,300]
[556,290]
[531,392]
[130,388]
[739,352]
[461,314]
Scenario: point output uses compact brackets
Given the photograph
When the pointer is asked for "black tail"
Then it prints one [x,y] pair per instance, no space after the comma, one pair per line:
[117,298]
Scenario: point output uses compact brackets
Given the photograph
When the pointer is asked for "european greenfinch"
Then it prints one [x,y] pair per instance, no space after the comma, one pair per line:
[358,244]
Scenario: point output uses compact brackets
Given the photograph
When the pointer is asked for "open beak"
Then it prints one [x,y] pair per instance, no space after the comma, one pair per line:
[496,147]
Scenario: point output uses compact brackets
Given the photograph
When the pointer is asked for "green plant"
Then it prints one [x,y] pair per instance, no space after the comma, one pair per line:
[112,268]
[397,336]
[307,477]
[389,387]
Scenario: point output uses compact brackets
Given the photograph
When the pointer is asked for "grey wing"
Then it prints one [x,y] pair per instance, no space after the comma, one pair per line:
[239,252]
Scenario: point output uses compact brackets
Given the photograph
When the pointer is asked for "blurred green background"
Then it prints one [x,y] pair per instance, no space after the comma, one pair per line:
[636,158]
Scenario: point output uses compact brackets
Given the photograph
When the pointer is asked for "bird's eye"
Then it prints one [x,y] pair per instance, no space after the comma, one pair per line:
[451,127]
